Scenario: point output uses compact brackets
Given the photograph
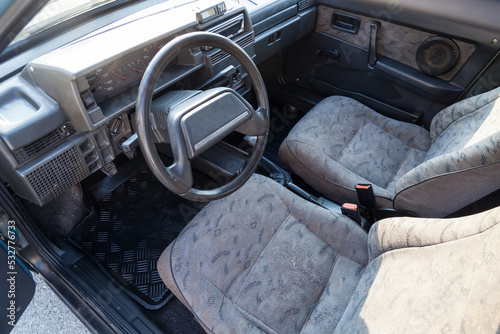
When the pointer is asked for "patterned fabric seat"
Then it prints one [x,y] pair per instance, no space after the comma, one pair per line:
[265,260]
[341,143]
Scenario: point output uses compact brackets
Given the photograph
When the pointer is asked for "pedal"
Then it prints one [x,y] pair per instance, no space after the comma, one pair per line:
[109,169]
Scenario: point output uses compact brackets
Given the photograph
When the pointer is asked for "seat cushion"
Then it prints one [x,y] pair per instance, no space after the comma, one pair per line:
[263,259]
[341,143]
[429,276]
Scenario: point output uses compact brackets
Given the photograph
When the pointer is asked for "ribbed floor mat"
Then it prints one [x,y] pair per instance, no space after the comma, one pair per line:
[129,230]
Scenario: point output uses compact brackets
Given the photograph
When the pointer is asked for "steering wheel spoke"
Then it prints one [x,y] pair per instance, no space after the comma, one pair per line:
[255,126]
[182,176]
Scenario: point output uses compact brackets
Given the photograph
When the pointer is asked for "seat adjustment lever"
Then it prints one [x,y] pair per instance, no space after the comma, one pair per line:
[334,54]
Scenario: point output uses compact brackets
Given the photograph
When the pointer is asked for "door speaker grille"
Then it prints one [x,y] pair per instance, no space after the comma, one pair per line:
[437,56]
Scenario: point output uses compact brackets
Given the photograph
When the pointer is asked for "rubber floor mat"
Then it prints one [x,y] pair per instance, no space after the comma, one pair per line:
[130,228]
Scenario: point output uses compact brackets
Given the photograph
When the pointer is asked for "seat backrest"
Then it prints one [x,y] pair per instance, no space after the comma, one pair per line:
[429,276]
[469,123]
[463,162]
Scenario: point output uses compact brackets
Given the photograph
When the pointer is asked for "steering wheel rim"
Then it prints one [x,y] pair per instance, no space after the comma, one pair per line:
[167,175]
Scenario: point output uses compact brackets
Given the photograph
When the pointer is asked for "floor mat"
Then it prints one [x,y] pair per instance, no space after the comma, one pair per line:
[128,231]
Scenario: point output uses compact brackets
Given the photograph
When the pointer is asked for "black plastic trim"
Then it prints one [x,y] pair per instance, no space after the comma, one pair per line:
[434,89]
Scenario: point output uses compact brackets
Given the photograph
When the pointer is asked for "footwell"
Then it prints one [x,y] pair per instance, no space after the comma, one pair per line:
[129,229]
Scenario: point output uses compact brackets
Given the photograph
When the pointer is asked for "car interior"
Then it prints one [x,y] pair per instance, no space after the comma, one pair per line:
[256,166]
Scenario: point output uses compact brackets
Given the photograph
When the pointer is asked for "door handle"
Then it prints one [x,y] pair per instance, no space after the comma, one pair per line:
[345,25]
[346,22]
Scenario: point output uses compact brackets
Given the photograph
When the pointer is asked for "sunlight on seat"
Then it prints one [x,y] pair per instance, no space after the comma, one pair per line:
[490,125]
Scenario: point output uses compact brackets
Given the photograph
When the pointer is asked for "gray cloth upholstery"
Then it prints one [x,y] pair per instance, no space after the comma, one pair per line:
[263,253]
[263,260]
[341,143]
[429,276]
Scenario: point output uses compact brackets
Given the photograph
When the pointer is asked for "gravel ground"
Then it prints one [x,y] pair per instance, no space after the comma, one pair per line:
[47,314]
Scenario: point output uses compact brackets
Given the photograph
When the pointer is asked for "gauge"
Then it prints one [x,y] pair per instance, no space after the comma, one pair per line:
[146,55]
[121,74]
[128,73]
[94,76]
[150,51]
[136,67]
[104,86]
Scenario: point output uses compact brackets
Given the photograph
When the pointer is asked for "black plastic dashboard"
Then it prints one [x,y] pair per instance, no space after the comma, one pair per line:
[74,105]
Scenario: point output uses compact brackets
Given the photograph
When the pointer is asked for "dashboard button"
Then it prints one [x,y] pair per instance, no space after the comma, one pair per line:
[88,100]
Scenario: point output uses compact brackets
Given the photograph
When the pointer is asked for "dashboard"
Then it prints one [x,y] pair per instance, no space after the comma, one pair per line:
[68,112]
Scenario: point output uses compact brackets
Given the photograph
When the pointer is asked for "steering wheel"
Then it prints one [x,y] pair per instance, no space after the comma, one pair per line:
[200,120]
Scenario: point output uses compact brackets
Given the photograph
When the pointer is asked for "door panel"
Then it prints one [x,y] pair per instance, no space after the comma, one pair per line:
[350,75]
[335,58]
[395,41]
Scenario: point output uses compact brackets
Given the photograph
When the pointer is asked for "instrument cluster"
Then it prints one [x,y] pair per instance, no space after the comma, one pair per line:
[121,74]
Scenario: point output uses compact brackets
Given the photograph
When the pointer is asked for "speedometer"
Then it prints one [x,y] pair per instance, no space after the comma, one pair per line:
[121,75]
[128,73]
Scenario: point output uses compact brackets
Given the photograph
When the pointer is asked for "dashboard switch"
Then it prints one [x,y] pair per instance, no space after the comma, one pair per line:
[116,126]
[88,100]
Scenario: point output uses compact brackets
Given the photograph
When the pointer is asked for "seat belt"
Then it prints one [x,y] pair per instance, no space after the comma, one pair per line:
[366,197]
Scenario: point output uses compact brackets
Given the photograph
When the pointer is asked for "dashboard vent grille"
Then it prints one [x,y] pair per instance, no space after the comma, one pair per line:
[57,175]
[305,4]
[246,41]
[243,43]
[30,151]
[218,56]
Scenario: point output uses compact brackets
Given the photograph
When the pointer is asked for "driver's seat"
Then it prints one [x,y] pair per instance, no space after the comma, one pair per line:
[265,260]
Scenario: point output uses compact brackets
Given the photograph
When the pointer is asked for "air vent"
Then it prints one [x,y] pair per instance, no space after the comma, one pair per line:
[57,175]
[32,150]
[305,4]
[246,41]
[243,43]
[231,27]
[218,56]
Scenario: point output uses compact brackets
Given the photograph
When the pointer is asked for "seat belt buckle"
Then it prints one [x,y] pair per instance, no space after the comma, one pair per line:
[366,197]
[352,211]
